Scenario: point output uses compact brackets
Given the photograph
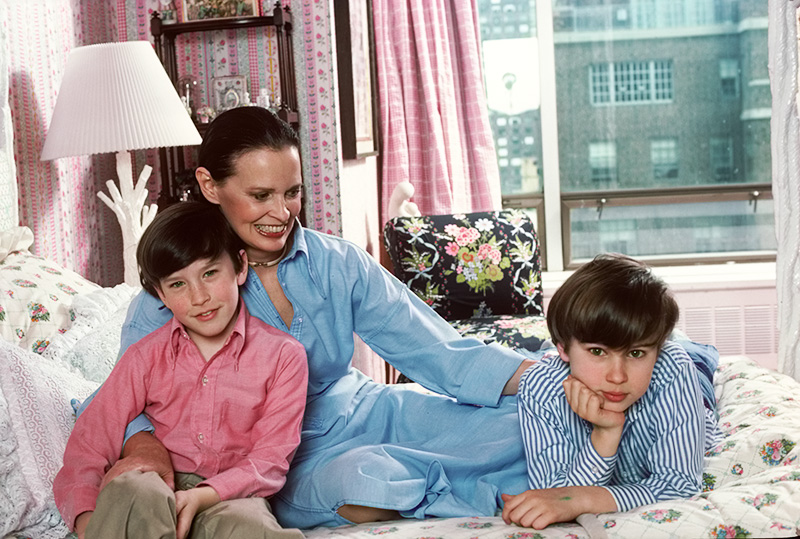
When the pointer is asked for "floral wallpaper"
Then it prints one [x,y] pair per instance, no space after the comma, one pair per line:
[253,53]
[58,200]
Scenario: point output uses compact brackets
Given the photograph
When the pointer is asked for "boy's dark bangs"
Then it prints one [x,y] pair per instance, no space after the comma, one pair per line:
[621,322]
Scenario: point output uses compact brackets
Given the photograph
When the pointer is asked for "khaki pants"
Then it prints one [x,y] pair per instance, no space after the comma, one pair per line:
[139,505]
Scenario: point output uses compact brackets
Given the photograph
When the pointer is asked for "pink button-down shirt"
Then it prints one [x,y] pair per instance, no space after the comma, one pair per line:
[234,420]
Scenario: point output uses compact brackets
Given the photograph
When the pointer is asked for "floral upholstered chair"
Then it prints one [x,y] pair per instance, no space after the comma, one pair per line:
[480,271]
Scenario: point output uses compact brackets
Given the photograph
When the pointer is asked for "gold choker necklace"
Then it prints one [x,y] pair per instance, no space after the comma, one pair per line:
[271,262]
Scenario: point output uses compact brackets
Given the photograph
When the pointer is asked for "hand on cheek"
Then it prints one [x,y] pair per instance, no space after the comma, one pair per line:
[590,405]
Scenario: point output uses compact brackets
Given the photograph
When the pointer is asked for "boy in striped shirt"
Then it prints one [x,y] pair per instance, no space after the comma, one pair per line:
[615,416]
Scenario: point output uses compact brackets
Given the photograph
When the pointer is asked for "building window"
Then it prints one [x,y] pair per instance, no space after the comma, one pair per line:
[631,82]
[617,85]
[603,161]
[729,77]
[664,157]
[722,159]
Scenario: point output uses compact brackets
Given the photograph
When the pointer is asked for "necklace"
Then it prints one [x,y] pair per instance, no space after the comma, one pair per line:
[271,262]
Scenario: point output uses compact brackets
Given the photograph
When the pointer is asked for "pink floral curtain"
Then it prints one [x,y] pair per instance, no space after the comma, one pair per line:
[434,120]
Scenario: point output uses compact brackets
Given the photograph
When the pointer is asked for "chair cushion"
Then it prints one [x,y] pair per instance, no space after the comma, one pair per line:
[469,265]
[511,331]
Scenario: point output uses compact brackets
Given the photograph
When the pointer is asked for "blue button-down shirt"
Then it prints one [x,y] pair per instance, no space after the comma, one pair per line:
[660,454]
[336,290]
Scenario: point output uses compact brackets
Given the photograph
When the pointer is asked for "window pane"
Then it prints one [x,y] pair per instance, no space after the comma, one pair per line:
[510,58]
[635,71]
[603,161]
[664,156]
[729,77]
[646,95]
[673,229]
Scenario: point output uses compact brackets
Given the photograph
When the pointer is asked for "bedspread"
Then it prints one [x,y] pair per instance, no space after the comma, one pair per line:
[751,479]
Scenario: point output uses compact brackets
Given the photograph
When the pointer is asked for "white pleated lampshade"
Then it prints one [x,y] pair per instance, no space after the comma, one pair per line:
[116,97]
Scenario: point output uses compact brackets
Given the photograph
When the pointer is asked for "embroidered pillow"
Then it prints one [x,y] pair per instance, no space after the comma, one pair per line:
[35,294]
[469,265]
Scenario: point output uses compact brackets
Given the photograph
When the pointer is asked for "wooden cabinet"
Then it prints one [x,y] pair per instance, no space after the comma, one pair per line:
[174,177]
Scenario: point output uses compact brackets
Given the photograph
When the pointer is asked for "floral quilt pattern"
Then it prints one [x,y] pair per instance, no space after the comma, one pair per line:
[36,299]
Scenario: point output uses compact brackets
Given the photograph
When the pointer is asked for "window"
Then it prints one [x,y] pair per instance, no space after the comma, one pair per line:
[649,129]
[633,82]
[603,161]
[664,156]
[722,159]
[729,77]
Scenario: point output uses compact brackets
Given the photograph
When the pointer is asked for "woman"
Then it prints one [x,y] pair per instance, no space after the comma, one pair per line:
[368,451]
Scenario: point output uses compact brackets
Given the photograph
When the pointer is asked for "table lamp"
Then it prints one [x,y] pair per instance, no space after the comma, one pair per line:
[117,97]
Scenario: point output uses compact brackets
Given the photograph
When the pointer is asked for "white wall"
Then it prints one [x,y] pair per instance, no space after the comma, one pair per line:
[358,189]
[731,306]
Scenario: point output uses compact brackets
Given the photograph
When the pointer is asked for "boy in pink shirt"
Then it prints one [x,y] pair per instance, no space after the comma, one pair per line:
[224,391]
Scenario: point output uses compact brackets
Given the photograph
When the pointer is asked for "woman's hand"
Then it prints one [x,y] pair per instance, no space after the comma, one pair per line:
[189,503]
[539,508]
[82,522]
[145,453]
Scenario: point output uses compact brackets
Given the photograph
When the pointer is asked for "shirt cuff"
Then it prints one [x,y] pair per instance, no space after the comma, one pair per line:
[140,423]
[484,381]
[590,468]
[631,496]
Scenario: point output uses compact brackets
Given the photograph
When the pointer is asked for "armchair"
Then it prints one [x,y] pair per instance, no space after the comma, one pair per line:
[480,271]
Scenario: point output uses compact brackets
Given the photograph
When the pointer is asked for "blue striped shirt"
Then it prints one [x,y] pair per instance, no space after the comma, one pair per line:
[660,454]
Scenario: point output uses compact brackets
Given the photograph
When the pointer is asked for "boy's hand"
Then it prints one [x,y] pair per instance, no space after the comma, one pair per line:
[589,405]
[189,503]
[607,425]
[539,508]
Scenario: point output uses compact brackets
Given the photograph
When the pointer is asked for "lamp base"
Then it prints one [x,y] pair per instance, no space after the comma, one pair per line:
[134,216]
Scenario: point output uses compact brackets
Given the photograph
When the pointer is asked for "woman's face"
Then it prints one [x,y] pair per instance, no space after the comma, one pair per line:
[260,200]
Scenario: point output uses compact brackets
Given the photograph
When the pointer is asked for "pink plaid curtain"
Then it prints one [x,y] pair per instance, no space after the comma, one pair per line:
[434,120]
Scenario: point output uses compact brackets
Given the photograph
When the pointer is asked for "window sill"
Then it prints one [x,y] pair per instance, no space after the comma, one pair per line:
[707,276]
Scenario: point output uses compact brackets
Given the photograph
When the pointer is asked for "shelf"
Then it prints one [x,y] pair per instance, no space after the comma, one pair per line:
[174,29]
[172,159]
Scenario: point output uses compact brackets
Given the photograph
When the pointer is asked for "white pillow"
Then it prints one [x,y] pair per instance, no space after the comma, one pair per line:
[91,345]
[35,421]
[36,298]
[19,238]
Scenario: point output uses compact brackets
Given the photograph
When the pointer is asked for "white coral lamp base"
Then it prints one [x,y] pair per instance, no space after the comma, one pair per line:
[128,203]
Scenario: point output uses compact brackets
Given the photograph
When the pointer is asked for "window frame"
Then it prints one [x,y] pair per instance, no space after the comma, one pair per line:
[553,205]
[676,195]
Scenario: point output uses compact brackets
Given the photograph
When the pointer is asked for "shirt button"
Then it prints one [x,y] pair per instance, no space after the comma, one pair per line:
[595,471]
[300,319]
[205,380]
[200,436]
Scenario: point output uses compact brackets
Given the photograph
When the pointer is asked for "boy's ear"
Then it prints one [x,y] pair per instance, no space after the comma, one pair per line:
[242,276]
[207,184]
[562,352]
[160,294]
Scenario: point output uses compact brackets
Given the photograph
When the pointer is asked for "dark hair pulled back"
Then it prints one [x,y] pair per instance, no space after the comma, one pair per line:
[238,131]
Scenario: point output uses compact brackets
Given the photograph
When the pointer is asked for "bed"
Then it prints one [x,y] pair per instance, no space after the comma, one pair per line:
[60,335]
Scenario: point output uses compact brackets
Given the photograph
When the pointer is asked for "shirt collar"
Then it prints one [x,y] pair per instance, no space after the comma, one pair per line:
[300,247]
[235,340]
